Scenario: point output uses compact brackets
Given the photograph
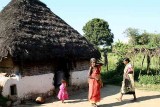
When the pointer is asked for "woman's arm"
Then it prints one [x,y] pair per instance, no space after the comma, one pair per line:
[130,69]
[89,73]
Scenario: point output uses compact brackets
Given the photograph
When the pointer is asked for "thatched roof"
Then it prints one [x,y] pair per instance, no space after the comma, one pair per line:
[30,31]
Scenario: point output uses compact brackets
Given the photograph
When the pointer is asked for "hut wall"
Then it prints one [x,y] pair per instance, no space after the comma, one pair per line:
[37,69]
[28,86]
[79,76]
[6,65]
[81,65]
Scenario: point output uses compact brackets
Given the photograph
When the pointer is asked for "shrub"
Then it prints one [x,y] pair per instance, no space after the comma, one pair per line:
[120,66]
[113,76]
[3,101]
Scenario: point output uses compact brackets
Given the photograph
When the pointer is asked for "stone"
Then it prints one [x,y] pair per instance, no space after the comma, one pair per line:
[40,100]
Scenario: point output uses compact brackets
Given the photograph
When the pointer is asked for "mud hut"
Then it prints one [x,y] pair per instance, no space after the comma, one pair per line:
[38,49]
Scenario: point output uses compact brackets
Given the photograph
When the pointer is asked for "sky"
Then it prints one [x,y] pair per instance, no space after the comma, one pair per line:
[120,14]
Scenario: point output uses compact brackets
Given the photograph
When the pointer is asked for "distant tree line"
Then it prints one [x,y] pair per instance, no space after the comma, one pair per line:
[137,37]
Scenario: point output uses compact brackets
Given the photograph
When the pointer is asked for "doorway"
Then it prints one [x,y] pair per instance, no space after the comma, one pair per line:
[62,71]
[13,89]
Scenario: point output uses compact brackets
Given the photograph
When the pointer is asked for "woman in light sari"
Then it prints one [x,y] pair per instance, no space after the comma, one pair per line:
[128,86]
[95,82]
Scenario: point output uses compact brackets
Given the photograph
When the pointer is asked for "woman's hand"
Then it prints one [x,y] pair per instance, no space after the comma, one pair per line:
[91,77]
[96,78]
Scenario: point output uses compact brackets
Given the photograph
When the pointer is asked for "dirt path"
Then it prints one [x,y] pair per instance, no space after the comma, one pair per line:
[108,93]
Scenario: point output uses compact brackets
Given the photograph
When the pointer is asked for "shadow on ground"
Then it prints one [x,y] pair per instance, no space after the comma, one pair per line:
[144,98]
[109,90]
[81,95]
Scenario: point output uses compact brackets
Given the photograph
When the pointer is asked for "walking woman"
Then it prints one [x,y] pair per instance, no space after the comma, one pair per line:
[128,80]
[95,82]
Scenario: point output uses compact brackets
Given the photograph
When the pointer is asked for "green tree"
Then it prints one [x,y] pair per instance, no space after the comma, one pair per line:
[133,35]
[144,38]
[121,49]
[154,40]
[97,31]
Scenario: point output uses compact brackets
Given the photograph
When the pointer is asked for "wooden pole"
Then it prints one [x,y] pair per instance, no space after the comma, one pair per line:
[142,65]
[148,63]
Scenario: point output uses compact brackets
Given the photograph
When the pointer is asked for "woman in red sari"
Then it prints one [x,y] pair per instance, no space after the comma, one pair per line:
[95,82]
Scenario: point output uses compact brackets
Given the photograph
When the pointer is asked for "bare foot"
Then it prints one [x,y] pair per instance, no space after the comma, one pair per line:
[94,105]
[119,99]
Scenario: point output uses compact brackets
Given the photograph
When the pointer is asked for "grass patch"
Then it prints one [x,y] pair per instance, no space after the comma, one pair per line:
[149,79]
[148,87]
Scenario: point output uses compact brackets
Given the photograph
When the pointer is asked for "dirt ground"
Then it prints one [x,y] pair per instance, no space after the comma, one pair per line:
[109,94]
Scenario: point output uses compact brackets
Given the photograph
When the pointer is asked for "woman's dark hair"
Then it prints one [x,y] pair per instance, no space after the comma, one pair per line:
[127,59]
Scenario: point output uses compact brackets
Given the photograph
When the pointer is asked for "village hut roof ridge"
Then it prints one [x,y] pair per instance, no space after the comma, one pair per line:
[29,30]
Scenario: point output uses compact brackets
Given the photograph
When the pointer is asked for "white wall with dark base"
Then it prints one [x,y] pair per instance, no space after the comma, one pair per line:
[28,85]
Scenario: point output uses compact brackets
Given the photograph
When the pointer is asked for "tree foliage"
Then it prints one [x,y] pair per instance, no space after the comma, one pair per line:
[121,49]
[154,40]
[133,35]
[97,31]
[142,38]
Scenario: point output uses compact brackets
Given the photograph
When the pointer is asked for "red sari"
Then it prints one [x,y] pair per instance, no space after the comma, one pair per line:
[94,86]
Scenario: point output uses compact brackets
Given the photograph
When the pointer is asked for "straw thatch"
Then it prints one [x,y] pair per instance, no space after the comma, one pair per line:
[30,31]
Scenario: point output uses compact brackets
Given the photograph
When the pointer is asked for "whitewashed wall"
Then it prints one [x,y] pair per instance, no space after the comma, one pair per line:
[28,84]
[79,77]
